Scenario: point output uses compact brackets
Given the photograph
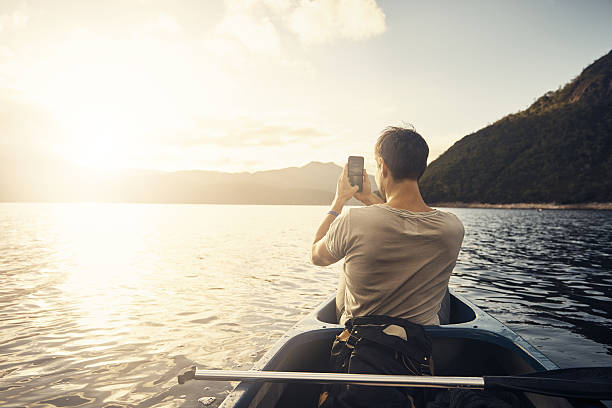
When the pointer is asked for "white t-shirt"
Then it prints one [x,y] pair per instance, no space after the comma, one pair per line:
[397,262]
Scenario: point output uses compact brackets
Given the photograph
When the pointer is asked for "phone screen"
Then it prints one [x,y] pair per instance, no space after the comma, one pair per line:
[355,171]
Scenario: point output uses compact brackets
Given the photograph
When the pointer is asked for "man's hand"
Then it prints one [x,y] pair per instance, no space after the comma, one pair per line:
[344,190]
[366,196]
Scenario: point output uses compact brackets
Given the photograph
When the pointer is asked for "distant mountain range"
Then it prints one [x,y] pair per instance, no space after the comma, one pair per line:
[314,183]
[558,150]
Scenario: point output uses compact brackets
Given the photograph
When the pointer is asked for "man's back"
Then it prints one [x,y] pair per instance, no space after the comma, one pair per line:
[397,262]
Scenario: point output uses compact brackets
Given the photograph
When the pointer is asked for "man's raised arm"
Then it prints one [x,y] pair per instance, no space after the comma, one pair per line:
[320,255]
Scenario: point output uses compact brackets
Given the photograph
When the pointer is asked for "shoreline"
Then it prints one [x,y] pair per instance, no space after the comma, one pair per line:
[527,206]
[445,204]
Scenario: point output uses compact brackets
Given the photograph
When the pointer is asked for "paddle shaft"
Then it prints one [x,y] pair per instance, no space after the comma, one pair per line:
[589,383]
[340,378]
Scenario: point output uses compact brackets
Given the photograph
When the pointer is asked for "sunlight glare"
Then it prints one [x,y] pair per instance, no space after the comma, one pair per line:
[101,275]
[115,100]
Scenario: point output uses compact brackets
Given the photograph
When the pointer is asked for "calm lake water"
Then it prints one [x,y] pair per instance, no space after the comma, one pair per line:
[104,304]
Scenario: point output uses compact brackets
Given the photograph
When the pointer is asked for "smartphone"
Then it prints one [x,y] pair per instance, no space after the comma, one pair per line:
[355,171]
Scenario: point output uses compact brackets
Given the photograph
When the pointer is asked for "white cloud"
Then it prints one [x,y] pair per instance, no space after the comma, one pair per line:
[271,135]
[319,22]
[257,34]
[241,131]
[251,22]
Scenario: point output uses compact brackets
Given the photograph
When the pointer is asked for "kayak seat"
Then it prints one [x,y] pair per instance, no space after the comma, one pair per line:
[459,312]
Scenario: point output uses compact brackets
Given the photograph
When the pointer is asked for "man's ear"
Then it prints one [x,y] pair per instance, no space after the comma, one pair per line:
[385,169]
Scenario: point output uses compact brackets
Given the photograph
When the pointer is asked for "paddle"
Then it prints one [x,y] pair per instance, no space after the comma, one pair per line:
[589,383]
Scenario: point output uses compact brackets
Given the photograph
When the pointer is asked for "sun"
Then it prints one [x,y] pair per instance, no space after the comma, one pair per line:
[109,101]
[102,109]
[98,137]
[98,151]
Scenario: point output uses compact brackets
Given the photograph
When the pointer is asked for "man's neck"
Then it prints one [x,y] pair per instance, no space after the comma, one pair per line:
[405,195]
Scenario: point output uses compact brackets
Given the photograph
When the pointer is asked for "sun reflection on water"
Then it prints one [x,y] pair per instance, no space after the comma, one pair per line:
[104,270]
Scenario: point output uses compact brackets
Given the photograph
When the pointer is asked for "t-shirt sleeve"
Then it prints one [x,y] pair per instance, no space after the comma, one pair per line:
[337,237]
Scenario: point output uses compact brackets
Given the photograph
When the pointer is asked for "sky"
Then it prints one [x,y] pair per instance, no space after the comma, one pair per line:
[249,85]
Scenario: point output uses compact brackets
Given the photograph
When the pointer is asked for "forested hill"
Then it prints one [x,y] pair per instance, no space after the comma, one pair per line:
[558,150]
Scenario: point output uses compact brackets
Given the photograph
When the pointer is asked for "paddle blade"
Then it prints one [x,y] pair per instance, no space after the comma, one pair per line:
[588,383]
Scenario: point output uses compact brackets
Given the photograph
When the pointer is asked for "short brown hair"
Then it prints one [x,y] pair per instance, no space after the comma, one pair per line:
[404,151]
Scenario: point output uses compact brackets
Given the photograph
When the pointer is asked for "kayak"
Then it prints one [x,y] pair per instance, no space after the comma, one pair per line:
[472,344]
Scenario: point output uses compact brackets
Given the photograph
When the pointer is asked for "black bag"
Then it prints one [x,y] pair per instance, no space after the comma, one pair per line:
[379,345]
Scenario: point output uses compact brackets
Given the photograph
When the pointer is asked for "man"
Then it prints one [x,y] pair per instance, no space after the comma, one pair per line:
[399,253]
[398,257]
